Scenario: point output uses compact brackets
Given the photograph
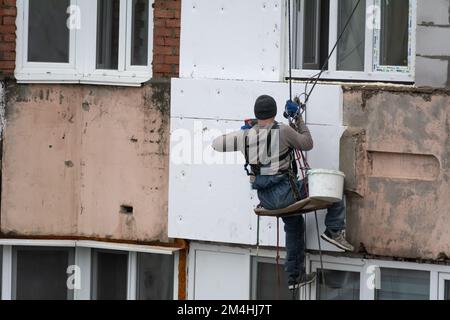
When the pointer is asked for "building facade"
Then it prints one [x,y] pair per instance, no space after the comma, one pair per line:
[111,189]
[86,91]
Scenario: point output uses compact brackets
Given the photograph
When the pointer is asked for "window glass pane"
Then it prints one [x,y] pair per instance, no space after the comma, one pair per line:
[108,18]
[399,284]
[394,32]
[351,48]
[139,37]
[267,285]
[155,277]
[40,273]
[48,35]
[311,26]
[110,275]
[447,290]
[338,285]
[315,33]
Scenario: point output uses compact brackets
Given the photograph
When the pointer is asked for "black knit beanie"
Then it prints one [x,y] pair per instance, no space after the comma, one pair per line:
[265,108]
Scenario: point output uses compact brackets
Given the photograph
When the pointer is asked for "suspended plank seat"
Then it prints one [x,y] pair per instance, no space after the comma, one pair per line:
[302,207]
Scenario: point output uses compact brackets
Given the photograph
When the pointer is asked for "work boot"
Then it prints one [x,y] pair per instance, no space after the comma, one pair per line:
[302,281]
[338,239]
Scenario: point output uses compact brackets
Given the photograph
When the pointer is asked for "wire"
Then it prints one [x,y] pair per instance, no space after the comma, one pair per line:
[290,49]
[320,252]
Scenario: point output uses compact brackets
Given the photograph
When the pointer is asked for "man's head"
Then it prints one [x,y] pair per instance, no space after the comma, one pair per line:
[265,108]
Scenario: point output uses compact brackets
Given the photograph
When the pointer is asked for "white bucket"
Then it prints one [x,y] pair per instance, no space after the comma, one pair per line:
[326,185]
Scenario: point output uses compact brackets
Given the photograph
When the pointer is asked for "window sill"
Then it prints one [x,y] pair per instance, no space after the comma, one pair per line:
[134,80]
[355,76]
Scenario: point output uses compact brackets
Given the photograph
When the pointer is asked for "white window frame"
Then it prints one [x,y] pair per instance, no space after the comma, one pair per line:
[443,277]
[254,272]
[83,259]
[438,273]
[372,71]
[82,54]
[351,266]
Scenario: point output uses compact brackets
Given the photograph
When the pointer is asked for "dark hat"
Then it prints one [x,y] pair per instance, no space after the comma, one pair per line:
[265,108]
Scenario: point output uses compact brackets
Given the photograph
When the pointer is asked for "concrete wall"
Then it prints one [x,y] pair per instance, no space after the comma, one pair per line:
[433,43]
[396,154]
[73,155]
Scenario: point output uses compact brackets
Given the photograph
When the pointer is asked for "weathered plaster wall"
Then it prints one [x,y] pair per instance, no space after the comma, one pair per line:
[396,154]
[433,43]
[73,155]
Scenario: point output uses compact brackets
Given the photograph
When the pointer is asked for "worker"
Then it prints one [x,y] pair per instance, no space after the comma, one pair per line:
[273,180]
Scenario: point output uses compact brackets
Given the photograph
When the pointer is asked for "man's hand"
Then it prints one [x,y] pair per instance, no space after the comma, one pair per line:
[249,123]
[292,109]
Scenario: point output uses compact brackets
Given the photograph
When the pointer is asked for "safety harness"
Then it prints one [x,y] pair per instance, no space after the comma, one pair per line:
[255,168]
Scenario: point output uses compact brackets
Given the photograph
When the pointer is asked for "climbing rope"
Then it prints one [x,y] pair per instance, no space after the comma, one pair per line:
[300,157]
[278,259]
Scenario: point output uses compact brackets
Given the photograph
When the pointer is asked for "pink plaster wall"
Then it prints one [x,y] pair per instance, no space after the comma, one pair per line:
[393,211]
[72,155]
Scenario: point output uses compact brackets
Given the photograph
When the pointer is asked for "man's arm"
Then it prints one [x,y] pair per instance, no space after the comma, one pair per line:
[300,139]
[228,143]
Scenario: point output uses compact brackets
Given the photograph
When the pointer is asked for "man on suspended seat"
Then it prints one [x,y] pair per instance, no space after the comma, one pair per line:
[273,179]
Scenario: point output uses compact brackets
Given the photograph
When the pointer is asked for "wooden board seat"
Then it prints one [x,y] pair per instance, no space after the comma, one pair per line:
[305,206]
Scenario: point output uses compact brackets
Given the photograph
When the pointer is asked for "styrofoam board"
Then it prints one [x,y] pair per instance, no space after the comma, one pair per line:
[213,44]
[210,202]
[235,100]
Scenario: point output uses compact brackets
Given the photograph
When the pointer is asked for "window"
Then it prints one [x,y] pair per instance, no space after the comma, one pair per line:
[338,285]
[398,284]
[378,43]
[109,275]
[41,273]
[265,284]
[155,277]
[48,36]
[98,41]
[444,286]
[447,290]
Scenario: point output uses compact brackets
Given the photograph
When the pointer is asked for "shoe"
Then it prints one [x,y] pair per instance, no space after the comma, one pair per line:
[338,239]
[303,281]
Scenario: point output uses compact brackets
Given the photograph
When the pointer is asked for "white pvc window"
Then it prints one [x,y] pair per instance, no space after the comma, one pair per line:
[84,41]
[400,284]
[109,275]
[269,281]
[444,286]
[155,275]
[378,44]
[40,273]
[44,269]
[383,280]
[345,278]
[342,281]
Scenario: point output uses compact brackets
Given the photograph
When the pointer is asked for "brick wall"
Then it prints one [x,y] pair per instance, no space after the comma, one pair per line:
[7,37]
[166,39]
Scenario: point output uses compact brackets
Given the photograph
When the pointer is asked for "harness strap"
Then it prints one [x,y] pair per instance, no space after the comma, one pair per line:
[256,168]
